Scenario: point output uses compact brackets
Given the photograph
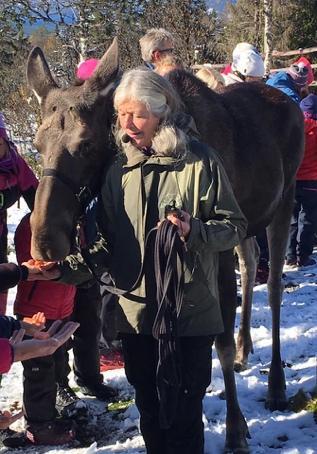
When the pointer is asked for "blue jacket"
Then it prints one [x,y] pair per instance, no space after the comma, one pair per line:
[283,81]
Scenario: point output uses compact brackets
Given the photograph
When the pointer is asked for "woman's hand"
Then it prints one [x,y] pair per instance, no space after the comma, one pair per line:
[182,221]
[34,348]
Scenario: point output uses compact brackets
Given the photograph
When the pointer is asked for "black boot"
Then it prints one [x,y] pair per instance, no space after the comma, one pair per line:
[68,404]
[100,391]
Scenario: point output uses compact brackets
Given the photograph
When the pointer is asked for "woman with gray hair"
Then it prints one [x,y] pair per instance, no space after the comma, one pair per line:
[162,165]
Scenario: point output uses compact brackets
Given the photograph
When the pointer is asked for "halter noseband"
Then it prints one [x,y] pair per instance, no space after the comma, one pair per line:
[83,194]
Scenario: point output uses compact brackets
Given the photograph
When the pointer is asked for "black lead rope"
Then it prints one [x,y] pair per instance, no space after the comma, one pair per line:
[169,275]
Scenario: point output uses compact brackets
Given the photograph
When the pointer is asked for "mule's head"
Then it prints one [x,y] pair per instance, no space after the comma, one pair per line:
[74,141]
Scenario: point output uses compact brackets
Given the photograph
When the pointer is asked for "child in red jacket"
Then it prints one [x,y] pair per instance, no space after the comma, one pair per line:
[304,219]
[41,375]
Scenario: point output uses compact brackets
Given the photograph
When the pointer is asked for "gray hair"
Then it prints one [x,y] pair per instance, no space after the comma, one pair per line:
[160,98]
[153,40]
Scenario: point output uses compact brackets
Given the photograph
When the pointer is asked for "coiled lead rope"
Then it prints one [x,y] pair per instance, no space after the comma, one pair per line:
[168,263]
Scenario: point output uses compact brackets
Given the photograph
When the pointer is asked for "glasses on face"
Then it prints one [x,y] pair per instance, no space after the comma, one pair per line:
[169,50]
[302,70]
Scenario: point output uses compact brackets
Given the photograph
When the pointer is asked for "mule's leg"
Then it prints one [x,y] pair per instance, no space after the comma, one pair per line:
[236,426]
[277,238]
[248,253]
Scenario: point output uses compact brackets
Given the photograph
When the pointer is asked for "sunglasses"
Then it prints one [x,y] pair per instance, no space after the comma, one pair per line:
[300,69]
[162,51]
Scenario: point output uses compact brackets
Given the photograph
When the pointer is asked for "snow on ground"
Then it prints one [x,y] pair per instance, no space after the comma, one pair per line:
[277,432]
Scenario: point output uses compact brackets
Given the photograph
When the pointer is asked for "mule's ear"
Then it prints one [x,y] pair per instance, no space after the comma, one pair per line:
[38,74]
[100,82]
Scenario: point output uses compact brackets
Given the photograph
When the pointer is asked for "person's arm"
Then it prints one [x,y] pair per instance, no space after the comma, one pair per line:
[33,348]
[17,349]
[28,182]
[221,224]
[11,274]
[8,325]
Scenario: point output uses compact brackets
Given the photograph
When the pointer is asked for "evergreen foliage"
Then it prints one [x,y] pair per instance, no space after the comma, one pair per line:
[72,30]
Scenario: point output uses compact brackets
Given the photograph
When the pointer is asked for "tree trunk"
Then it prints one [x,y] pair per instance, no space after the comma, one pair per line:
[257,23]
[268,36]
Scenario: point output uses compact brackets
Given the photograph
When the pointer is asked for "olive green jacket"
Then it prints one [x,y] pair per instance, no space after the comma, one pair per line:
[135,192]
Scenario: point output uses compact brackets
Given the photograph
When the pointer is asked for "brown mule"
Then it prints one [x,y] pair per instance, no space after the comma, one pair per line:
[257,131]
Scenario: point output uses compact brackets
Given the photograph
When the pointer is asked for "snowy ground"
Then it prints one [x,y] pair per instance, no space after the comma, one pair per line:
[276,432]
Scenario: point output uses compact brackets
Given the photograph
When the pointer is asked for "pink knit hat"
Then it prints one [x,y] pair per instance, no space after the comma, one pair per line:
[306,62]
[86,68]
[3,131]
[299,73]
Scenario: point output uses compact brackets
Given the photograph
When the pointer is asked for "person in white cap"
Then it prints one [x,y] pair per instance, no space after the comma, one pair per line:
[247,65]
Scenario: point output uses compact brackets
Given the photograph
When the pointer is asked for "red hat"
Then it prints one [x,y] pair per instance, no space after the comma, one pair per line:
[86,68]
[306,62]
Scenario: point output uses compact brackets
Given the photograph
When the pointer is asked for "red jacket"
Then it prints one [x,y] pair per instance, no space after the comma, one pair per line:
[6,356]
[54,299]
[308,167]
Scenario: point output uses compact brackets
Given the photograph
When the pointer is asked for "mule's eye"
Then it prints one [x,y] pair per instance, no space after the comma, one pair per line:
[54,108]
[74,112]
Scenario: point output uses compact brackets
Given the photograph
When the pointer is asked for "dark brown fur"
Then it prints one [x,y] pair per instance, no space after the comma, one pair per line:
[257,131]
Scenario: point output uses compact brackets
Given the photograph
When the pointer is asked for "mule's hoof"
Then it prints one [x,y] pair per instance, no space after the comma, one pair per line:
[237,444]
[237,451]
[276,403]
[229,449]
[240,366]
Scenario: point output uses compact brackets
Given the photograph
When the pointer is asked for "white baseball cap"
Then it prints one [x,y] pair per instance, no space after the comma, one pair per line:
[249,63]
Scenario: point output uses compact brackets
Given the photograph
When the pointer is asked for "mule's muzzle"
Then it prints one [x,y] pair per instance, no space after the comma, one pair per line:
[50,247]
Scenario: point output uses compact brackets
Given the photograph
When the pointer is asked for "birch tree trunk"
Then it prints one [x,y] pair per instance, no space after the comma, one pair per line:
[268,36]
[257,23]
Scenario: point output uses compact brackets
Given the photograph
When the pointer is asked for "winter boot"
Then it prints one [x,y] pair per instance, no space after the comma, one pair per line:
[69,405]
[262,272]
[12,439]
[290,264]
[100,391]
[306,261]
[52,433]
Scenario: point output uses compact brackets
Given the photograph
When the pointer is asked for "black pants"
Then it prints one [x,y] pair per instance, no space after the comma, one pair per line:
[304,221]
[261,239]
[186,435]
[86,337]
[108,321]
[40,376]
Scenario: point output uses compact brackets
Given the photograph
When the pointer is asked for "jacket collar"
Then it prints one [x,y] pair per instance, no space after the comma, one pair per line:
[135,157]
